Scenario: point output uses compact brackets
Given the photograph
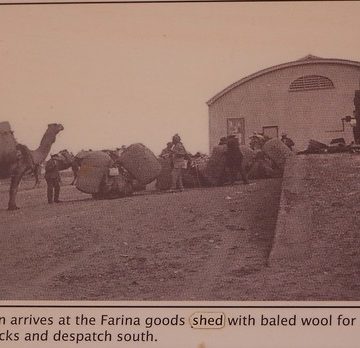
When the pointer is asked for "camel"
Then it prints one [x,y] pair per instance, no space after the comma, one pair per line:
[24,160]
[66,160]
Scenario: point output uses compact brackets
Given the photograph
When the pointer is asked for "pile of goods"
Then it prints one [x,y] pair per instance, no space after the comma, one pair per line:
[106,177]
[277,151]
[337,145]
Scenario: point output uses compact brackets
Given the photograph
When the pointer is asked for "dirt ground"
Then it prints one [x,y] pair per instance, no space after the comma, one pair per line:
[198,244]
[202,244]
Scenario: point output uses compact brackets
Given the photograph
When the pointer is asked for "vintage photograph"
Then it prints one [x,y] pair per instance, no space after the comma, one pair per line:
[205,151]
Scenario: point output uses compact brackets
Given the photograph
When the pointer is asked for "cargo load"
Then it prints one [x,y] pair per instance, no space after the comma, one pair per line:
[141,163]
[277,151]
[215,167]
[82,154]
[94,167]
[7,145]
[262,167]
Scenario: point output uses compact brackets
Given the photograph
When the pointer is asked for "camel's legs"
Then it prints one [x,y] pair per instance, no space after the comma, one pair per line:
[15,181]
[75,169]
[37,171]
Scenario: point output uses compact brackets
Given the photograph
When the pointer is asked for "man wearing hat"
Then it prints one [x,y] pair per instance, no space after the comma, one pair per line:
[166,153]
[52,177]
[179,159]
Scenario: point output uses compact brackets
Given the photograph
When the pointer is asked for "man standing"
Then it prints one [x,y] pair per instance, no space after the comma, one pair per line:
[52,177]
[179,159]
[234,160]
[166,153]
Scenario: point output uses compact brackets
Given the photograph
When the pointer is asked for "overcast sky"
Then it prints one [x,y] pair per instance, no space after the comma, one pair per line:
[116,74]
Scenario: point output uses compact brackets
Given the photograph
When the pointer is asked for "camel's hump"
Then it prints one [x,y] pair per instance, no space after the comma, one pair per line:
[5,126]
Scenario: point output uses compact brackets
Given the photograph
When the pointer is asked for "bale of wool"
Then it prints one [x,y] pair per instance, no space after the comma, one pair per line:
[277,151]
[248,156]
[164,181]
[140,161]
[94,168]
[216,165]
[7,144]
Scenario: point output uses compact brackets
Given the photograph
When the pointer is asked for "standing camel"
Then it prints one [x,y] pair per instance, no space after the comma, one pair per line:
[26,159]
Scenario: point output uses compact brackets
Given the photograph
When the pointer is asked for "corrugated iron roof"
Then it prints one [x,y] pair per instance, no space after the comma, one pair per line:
[309,59]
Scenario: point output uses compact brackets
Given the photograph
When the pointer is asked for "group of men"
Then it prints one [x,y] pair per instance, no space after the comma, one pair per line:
[176,153]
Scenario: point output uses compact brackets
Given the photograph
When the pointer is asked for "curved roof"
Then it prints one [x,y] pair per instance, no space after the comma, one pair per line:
[309,59]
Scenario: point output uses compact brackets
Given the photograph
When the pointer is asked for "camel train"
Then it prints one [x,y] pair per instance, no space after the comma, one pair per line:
[136,165]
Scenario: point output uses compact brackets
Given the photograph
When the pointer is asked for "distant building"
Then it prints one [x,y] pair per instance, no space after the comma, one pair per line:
[307,99]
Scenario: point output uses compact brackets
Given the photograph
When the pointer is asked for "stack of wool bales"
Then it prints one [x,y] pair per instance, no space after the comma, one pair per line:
[277,151]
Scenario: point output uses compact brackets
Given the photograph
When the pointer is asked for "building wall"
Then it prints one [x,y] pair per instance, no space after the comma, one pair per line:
[266,101]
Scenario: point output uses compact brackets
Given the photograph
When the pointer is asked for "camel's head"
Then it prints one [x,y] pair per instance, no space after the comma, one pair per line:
[67,155]
[64,152]
[55,127]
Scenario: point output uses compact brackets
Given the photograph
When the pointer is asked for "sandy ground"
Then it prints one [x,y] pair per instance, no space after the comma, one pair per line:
[198,244]
[202,244]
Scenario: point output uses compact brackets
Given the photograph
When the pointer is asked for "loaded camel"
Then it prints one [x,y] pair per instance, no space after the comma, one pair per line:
[24,160]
